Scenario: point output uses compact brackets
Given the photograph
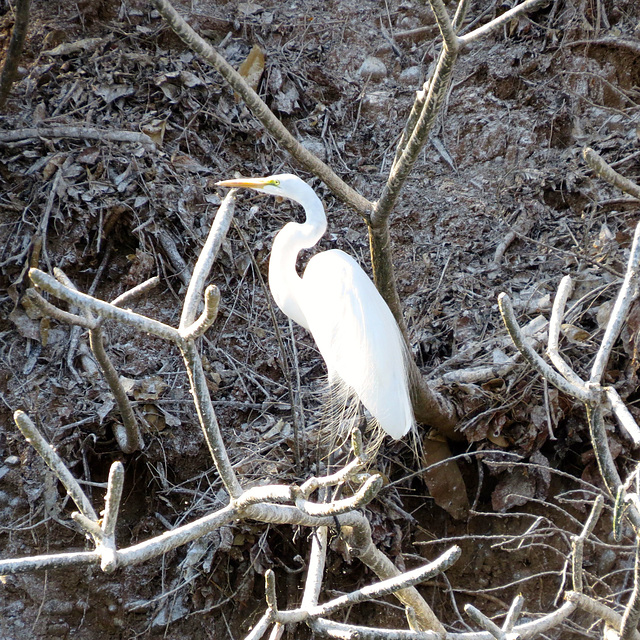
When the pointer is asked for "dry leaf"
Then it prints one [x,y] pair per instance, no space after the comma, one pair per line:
[251,69]
[574,334]
[155,130]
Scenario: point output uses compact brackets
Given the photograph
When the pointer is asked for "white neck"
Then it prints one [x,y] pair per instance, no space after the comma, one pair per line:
[284,281]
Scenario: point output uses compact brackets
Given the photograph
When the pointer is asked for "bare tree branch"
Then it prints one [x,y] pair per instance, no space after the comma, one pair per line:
[18,36]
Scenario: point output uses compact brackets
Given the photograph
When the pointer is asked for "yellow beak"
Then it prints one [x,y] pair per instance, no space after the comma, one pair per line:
[251,183]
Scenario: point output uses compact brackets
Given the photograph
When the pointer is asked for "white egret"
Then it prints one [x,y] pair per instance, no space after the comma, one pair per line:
[336,301]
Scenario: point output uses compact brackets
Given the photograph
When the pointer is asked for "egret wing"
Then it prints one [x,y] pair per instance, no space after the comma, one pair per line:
[358,337]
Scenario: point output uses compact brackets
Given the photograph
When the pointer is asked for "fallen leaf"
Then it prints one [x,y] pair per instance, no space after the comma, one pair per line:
[252,67]
[155,130]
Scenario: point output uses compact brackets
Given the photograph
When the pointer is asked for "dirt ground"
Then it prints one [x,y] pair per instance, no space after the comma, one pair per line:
[505,155]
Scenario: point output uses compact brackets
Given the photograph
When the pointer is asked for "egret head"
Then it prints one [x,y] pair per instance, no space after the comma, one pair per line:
[285,185]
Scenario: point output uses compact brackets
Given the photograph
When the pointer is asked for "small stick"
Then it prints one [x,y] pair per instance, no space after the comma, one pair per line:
[626,420]
[532,357]
[217,234]
[577,543]
[126,298]
[260,109]
[208,316]
[632,611]
[620,310]
[112,499]
[84,133]
[128,436]
[513,614]
[597,609]
[54,462]
[488,625]
[101,308]
[608,173]
[57,314]
[525,7]
[362,497]
[555,322]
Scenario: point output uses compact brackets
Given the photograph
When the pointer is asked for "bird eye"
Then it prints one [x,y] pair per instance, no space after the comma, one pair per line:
[275,183]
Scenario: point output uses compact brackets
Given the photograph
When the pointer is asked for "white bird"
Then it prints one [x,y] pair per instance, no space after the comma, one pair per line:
[336,301]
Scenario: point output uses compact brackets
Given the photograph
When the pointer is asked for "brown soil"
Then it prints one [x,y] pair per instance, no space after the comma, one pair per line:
[506,154]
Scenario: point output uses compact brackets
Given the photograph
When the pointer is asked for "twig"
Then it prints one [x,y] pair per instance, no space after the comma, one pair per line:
[532,629]
[625,419]
[525,7]
[54,462]
[557,315]
[208,419]
[532,357]
[101,308]
[50,310]
[112,499]
[208,316]
[628,293]
[83,133]
[359,540]
[444,24]
[488,625]
[361,498]
[112,506]
[577,543]
[608,173]
[128,297]
[261,626]
[512,615]
[207,257]
[631,615]
[317,559]
[597,609]
[386,587]
[128,434]
[14,51]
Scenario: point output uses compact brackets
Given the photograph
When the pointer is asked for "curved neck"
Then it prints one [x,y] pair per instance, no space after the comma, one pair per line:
[284,280]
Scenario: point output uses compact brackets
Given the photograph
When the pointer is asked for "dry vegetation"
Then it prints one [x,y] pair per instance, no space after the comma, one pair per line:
[500,200]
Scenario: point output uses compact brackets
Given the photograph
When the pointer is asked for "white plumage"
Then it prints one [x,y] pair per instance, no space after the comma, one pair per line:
[336,301]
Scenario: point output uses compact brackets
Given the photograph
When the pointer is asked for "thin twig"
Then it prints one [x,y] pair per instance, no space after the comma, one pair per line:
[101,308]
[50,310]
[207,257]
[625,419]
[488,625]
[628,293]
[577,543]
[525,7]
[54,462]
[597,609]
[513,614]
[83,133]
[208,419]
[317,559]
[208,316]
[358,500]
[386,587]
[128,297]
[631,615]
[555,322]
[128,434]
[532,357]
[608,173]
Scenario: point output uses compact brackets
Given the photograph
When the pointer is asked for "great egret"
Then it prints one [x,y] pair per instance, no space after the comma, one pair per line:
[336,301]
